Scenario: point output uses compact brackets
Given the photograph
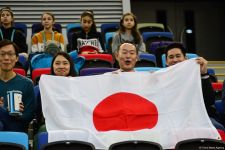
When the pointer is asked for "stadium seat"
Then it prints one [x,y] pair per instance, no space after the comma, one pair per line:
[149,69]
[71,28]
[20,71]
[150,27]
[146,60]
[36,73]
[217,87]
[188,55]
[22,27]
[155,45]
[37,27]
[23,61]
[108,27]
[219,104]
[158,48]
[150,37]
[14,137]
[44,144]
[222,134]
[95,71]
[68,145]
[135,145]
[11,146]
[42,140]
[97,60]
[197,144]
[108,41]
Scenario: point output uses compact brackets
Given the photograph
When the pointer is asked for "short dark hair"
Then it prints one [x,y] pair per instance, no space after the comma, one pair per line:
[118,48]
[72,71]
[176,45]
[8,42]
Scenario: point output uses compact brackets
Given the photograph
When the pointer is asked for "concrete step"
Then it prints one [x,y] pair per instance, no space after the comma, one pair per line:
[219,67]
[216,64]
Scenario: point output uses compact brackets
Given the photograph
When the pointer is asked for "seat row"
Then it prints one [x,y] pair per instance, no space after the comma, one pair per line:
[150,32]
[19,141]
[81,62]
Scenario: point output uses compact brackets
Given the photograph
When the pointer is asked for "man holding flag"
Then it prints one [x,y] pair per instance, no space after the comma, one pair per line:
[176,53]
[104,109]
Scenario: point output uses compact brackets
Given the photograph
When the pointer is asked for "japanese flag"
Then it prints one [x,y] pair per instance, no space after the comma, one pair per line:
[164,107]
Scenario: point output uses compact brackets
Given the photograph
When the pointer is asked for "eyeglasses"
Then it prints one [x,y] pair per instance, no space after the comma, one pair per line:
[10,54]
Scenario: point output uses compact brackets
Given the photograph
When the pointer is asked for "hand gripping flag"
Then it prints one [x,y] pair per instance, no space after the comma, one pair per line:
[164,107]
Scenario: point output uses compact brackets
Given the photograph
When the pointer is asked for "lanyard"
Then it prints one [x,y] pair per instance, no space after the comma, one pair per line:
[12,35]
[44,38]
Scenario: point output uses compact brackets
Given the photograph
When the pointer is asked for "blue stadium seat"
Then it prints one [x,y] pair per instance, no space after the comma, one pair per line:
[150,37]
[108,27]
[108,41]
[15,137]
[22,27]
[219,104]
[146,60]
[37,27]
[72,28]
[149,69]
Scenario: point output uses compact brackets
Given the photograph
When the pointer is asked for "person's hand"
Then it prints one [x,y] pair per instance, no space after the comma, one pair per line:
[203,64]
[1,102]
[21,107]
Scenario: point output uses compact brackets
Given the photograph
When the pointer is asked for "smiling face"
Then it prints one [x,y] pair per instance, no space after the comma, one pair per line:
[8,58]
[127,57]
[61,66]
[47,21]
[174,56]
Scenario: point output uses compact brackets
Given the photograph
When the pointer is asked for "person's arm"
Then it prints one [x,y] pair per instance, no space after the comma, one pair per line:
[208,92]
[207,89]
[61,41]
[34,44]
[28,102]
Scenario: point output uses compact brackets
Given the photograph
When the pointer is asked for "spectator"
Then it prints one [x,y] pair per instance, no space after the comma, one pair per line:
[87,41]
[41,39]
[128,32]
[127,56]
[176,53]
[7,31]
[62,65]
[10,81]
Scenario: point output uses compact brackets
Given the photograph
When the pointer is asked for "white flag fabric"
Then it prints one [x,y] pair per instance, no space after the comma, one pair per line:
[165,107]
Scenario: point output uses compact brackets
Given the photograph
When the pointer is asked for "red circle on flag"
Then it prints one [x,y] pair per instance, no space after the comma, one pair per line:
[126,112]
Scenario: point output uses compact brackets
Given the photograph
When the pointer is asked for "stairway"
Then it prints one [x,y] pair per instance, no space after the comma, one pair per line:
[219,67]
